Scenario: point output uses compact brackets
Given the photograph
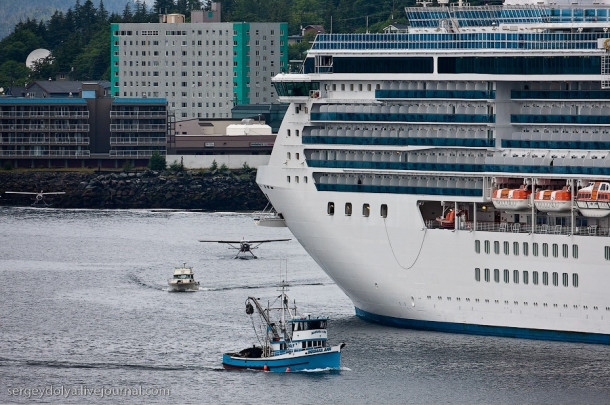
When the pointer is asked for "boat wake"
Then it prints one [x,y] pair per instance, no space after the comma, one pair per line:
[135,279]
[102,365]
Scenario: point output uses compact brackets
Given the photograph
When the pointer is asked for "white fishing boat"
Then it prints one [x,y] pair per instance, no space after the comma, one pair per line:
[183,280]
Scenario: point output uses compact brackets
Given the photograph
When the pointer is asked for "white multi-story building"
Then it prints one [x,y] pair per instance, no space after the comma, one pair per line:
[203,69]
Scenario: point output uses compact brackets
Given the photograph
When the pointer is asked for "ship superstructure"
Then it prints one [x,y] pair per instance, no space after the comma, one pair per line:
[456,177]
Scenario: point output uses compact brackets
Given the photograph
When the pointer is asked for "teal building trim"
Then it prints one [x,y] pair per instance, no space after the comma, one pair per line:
[241,63]
[114,60]
[283,47]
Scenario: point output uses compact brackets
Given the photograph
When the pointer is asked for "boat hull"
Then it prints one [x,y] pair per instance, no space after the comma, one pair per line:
[183,287]
[593,209]
[328,358]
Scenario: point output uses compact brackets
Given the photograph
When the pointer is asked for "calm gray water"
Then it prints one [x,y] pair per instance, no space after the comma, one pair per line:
[84,309]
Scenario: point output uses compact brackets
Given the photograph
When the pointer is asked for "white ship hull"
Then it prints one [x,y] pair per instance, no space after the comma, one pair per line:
[400,273]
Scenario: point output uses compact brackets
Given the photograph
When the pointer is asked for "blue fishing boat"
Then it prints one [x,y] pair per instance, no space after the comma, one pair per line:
[292,343]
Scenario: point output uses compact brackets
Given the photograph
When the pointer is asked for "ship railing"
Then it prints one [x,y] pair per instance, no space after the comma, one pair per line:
[516,227]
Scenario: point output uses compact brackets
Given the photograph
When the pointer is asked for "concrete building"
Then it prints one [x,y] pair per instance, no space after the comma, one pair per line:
[203,68]
[91,130]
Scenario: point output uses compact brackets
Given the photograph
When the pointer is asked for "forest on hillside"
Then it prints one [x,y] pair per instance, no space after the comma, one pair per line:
[79,38]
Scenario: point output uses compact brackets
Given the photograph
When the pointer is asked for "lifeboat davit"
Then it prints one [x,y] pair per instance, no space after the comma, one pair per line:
[594,200]
[448,221]
[553,200]
[512,199]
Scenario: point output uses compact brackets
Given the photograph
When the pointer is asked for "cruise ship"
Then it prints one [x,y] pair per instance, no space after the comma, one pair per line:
[456,177]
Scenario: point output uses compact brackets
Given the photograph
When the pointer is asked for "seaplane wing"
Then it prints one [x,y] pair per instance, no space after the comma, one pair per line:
[34,193]
[20,192]
[245,241]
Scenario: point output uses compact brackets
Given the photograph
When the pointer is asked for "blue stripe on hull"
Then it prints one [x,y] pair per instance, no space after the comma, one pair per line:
[330,360]
[472,329]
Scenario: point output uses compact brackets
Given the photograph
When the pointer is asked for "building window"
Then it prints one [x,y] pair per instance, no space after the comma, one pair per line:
[330,208]
[384,210]
[366,210]
[477,274]
[526,278]
[348,208]
[535,277]
[516,276]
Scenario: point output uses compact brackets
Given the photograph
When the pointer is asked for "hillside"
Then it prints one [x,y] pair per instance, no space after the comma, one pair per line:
[13,11]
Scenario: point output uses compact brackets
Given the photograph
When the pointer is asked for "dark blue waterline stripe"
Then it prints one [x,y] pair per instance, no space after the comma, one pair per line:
[472,329]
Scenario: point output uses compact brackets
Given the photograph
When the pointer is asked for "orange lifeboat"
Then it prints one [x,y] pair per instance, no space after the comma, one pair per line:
[594,200]
[553,200]
[512,199]
[448,222]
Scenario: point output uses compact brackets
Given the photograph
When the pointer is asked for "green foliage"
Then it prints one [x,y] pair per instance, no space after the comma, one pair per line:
[128,166]
[246,166]
[13,74]
[7,166]
[176,166]
[157,161]
[214,166]
[223,168]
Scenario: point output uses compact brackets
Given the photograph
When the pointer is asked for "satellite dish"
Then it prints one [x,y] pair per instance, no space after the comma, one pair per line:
[35,56]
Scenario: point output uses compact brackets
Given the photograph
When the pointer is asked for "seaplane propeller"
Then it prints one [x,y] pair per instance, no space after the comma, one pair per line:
[244,246]
[38,197]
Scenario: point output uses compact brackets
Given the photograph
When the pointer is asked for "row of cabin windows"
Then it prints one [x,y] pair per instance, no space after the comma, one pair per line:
[524,276]
[506,302]
[366,209]
[314,343]
[297,179]
[524,249]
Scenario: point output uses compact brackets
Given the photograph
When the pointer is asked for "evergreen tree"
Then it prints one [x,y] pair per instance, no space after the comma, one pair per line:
[127,16]
[164,6]
[102,15]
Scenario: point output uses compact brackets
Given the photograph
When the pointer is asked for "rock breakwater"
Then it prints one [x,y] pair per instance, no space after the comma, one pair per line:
[201,190]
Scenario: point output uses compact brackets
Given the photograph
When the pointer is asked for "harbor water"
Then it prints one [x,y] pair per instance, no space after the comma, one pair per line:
[85,316]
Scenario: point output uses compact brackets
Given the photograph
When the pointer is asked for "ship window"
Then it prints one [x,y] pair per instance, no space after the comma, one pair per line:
[304,179]
[575,251]
[545,249]
[366,210]
[296,131]
[535,249]
[496,247]
[384,210]
[330,208]
[287,155]
[565,250]
[526,277]
[506,248]
[288,179]
[506,276]
[487,275]
[525,249]
[516,276]
[545,278]
[288,132]
[296,179]
[487,246]
[555,278]
[555,250]
[497,275]
[574,280]
[477,274]
[342,86]
[516,248]
[477,246]
[348,209]
[535,277]
[565,279]
[607,252]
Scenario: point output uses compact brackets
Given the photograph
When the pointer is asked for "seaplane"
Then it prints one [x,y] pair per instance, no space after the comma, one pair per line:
[38,197]
[244,246]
